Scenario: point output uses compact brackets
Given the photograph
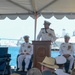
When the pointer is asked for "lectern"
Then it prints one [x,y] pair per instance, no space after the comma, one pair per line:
[40,50]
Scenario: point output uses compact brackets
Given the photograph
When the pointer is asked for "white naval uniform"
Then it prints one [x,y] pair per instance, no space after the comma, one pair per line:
[46,35]
[60,72]
[67,48]
[27,58]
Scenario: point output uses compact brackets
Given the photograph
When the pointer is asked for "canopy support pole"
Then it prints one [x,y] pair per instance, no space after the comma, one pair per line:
[36,16]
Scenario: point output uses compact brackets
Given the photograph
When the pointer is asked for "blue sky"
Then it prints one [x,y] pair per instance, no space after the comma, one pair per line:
[15,29]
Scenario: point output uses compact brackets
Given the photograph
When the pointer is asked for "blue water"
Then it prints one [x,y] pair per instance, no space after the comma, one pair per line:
[15,50]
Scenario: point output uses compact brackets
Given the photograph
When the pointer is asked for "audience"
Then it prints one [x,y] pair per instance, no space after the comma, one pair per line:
[60,61]
[34,71]
[47,72]
[48,64]
[73,72]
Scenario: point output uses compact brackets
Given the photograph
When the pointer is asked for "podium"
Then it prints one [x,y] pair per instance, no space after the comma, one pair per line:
[40,50]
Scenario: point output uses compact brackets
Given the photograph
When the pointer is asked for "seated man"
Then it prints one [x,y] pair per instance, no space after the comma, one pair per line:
[26,51]
[67,50]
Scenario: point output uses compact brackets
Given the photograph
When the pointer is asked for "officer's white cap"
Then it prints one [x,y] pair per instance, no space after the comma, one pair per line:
[26,36]
[46,22]
[66,36]
[60,60]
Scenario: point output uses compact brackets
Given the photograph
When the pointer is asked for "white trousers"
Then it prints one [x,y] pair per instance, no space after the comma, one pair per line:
[71,59]
[27,60]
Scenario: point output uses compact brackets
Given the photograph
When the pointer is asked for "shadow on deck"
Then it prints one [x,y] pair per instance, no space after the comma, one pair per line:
[17,72]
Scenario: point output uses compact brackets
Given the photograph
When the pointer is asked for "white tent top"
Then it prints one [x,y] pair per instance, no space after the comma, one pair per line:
[47,8]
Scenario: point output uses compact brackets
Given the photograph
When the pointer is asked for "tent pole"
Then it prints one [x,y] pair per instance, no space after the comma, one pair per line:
[36,16]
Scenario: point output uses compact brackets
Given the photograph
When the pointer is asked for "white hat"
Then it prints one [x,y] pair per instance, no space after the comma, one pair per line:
[26,36]
[49,62]
[46,22]
[66,36]
[60,60]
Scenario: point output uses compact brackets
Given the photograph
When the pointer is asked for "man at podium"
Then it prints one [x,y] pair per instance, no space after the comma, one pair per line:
[46,33]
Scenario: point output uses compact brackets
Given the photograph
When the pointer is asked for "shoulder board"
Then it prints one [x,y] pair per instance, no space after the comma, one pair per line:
[42,28]
[52,29]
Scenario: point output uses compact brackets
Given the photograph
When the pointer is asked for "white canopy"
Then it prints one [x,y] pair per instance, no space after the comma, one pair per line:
[47,8]
[35,8]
